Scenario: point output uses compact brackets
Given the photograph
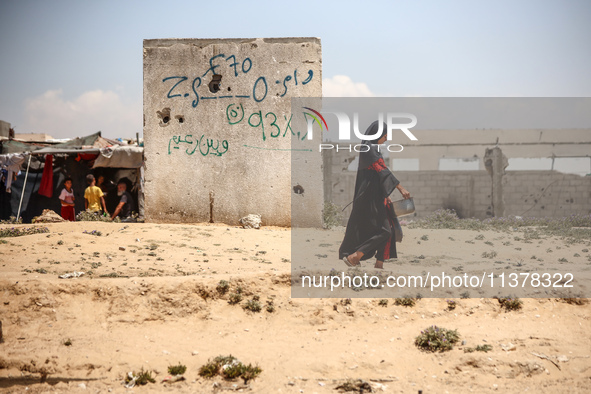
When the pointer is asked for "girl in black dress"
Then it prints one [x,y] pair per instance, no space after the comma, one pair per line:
[371,227]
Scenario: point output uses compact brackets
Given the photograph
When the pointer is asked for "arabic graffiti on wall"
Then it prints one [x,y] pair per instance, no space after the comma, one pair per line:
[269,124]
[201,145]
[179,85]
[266,122]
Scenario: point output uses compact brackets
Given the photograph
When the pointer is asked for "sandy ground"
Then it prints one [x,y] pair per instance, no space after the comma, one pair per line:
[150,301]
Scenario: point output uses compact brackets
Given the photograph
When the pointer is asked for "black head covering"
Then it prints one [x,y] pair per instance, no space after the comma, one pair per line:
[373,129]
[369,156]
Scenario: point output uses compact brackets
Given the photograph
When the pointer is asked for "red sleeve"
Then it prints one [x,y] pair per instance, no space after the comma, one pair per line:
[378,165]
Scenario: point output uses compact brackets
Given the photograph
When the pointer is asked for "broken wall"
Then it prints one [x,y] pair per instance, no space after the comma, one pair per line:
[217,128]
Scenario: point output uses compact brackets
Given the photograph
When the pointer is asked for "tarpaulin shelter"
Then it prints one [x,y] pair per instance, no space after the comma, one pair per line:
[76,158]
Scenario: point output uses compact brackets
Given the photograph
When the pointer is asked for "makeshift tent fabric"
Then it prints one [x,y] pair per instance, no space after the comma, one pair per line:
[90,141]
[12,146]
[120,157]
[115,160]
[34,203]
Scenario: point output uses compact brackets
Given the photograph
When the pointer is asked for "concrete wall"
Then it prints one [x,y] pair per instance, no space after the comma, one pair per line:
[4,129]
[435,144]
[218,156]
[526,193]
[33,137]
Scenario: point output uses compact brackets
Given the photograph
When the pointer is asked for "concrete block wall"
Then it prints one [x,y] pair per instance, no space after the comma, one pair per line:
[218,155]
[468,193]
[526,193]
[546,193]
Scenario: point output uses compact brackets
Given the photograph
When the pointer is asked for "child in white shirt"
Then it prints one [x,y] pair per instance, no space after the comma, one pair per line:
[67,200]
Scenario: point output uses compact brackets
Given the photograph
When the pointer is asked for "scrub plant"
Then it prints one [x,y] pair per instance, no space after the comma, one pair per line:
[436,339]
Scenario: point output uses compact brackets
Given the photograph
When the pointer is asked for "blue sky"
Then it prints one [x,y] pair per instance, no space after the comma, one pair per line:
[71,68]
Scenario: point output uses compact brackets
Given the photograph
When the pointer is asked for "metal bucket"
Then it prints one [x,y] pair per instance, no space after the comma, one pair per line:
[404,207]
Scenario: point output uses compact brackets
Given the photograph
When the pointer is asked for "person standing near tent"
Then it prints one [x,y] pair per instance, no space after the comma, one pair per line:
[67,200]
[93,196]
[126,204]
[101,184]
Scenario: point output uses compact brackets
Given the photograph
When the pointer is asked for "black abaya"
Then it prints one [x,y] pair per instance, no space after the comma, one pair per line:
[371,227]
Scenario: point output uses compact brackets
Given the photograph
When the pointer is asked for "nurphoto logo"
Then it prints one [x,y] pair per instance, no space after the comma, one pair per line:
[344,129]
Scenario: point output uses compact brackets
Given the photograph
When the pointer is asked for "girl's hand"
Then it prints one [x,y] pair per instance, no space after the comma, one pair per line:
[405,193]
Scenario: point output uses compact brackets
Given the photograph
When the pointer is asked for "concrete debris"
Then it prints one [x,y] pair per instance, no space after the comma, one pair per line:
[251,221]
[69,275]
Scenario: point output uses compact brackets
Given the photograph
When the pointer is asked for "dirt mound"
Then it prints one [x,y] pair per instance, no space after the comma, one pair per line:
[48,216]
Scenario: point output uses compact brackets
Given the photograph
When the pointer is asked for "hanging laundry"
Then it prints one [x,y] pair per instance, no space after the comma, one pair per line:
[12,164]
[46,187]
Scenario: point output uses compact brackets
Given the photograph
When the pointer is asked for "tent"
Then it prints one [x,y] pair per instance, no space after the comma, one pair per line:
[76,158]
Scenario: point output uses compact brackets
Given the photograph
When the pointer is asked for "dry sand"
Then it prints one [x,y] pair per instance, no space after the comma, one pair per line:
[162,309]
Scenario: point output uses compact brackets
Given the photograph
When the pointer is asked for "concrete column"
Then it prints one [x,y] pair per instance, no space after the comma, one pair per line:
[327,169]
[495,163]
